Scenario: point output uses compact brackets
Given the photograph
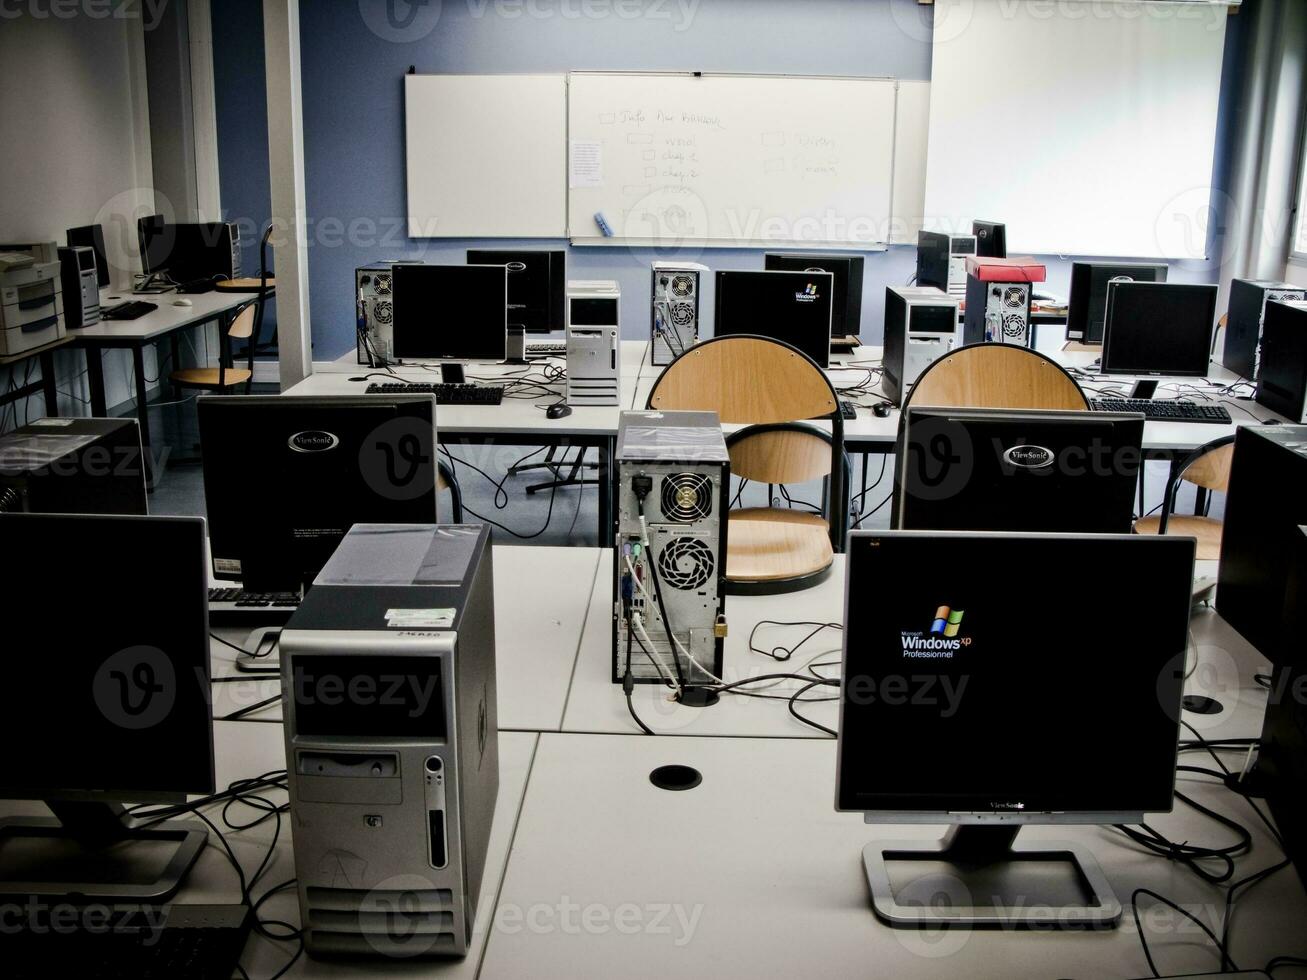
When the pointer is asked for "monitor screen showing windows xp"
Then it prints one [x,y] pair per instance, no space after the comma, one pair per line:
[1159,328]
[846,291]
[109,702]
[450,312]
[792,307]
[1000,660]
[537,285]
[979,469]
[1087,304]
[92,236]
[286,477]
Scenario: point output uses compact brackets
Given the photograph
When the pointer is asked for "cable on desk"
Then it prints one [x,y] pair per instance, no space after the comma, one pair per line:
[783,653]
[1143,939]
[549,515]
[249,709]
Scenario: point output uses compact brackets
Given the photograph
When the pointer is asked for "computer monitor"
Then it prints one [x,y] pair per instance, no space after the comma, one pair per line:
[154,242]
[846,291]
[793,307]
[975,469]
[285,477]
[108,704]
[991,239]
[537,286]
[967,699]
[1159,328]
[92,237]
[1087,304]
[450,312]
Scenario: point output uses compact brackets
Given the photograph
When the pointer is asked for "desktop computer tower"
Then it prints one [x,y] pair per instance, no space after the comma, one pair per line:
[676,465]
[73,466]
[1243,329]
[375,313]
[942,261]
[846,291]
[998,300]
[79,277]
[393,787]
[1282,374]
[921,326]
[674,314]
[1265,505]
[593,332]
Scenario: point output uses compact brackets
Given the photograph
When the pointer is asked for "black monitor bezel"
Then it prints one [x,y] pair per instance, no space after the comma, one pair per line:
[557,280]
[1191,371]
[435,351]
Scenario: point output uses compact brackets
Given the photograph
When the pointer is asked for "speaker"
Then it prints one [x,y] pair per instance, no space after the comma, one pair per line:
[674,313]
[373,285]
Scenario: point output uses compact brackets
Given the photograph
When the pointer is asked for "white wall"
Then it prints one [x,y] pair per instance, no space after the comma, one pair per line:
[74,150]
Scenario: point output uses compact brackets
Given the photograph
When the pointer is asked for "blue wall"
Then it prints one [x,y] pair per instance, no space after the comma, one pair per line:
[354,58]
[241,104]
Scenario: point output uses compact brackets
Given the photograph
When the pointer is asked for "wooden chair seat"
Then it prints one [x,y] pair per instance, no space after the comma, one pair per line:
[765,544]
[208,377]
[1206,529]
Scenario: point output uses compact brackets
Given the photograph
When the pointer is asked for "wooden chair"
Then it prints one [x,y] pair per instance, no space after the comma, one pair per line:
[1208,470]
[750,380]
[997,376]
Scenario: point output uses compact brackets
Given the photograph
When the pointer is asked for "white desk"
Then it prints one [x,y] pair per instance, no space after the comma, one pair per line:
[753,874]
[541,604]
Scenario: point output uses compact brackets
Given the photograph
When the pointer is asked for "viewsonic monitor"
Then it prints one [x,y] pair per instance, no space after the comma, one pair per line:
[1087,304]
[1159,328]
[974,469]
[92,237]
[111,706]
[285,478]
[450,312]
[966,701]
[793,307]
[537,286]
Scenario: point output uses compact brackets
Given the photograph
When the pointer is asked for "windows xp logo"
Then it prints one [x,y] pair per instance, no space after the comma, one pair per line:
[947,622]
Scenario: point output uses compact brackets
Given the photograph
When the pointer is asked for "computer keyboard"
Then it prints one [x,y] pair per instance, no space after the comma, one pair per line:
[446,394]
[237,605]
[194,942]
[1165,411]
[546,350]
[197,286]
[848,410]
[131,310]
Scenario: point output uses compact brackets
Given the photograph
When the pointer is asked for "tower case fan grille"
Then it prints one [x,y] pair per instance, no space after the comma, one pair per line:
[686,497]
[381,311]
[685,564]
[682,285]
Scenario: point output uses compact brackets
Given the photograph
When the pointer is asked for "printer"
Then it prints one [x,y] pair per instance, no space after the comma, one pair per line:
[31,297]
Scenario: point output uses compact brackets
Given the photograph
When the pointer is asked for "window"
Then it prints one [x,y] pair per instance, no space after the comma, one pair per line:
[1298,244]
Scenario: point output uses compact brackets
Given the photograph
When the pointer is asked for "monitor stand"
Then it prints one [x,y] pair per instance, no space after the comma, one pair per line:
[1144,388]
[93,853]
[516,352]
[976,877]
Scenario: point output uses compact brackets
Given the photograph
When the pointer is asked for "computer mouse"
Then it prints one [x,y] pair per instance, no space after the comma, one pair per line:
[182,302]
[560,410]
[881,410]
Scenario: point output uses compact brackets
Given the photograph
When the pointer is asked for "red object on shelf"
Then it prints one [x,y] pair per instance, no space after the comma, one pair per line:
[1006,270]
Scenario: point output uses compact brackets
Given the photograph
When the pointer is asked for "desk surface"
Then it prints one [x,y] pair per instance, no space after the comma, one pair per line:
[541,604]
[157,323]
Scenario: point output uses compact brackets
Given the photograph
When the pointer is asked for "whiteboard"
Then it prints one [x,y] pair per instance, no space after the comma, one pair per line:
[730,160]
[486,156]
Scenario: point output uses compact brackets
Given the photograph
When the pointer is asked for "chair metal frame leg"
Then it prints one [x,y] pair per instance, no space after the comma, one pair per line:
[572,479]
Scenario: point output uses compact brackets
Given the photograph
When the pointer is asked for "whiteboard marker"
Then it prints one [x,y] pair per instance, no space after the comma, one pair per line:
[602,222]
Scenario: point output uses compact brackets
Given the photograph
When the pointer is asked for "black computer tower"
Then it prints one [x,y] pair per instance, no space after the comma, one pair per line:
[73,466]
[1243,329]
[846,296]
[1282,377]
[1266,503]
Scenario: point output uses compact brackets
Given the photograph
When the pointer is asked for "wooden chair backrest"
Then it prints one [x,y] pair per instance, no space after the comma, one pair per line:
[780,456]
[1211,470]
[997,376]
[243,324]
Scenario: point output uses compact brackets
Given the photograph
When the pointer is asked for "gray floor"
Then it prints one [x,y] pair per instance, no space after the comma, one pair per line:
[567,516]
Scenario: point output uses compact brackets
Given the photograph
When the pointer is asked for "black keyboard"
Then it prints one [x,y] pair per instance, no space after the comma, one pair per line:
[194,942]
[1165,411]
[197,286]
[236,605]
[131,310]
[848,410]
[446,394]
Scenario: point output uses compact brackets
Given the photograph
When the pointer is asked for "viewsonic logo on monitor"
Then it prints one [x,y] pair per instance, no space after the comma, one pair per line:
[516,267]
[312,441]
[1029,457]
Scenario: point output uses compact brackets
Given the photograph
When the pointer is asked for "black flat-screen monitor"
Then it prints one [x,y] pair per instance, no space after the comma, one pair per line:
[537,286]
[154,242]
[285,478]
[450,312]
[1159,328]
[991,239]
[978,469]
[92,237]
[793,307]
[993,622]
[846,293]
[108,699]
[1087,304]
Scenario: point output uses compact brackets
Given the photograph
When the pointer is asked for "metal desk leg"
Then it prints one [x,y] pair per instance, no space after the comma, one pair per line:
[48,385]
[607,449]
[143,412]
[95,381]
[175,346]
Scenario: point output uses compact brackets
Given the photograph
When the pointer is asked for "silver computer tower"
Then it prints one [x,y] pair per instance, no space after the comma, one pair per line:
[391,744]
[674,309]
[375,314]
